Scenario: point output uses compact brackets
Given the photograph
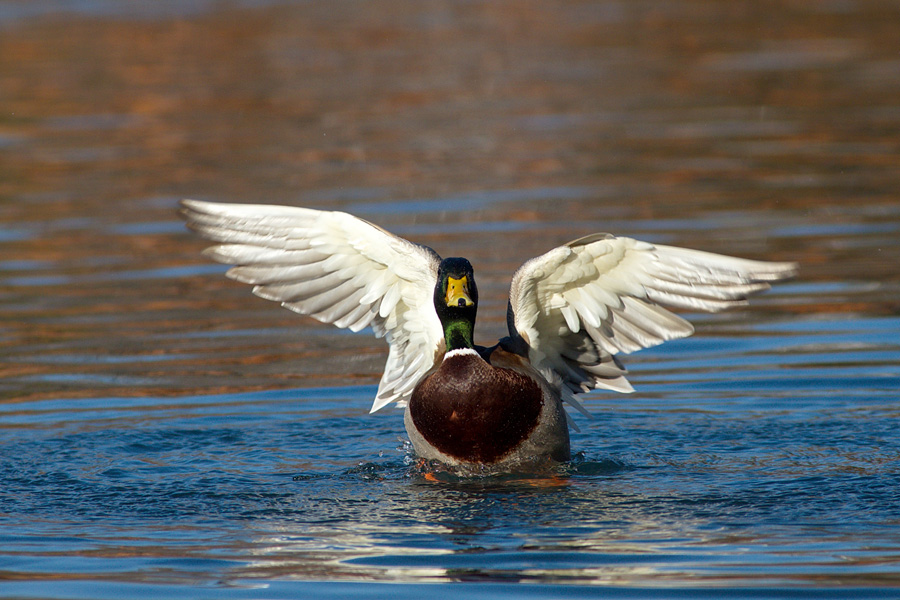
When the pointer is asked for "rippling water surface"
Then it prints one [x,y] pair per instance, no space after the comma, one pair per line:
[164,433]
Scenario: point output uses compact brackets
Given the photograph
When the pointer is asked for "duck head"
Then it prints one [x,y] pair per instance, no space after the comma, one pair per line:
[456,302]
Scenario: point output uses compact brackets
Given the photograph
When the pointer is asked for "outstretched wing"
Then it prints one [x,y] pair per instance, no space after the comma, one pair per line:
[335,268]
[580,304]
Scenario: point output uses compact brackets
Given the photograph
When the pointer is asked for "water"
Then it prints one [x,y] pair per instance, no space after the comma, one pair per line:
[165,434]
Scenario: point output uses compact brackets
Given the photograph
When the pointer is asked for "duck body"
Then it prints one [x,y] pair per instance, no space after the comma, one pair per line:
[481,406]
[571,313]
[496,411]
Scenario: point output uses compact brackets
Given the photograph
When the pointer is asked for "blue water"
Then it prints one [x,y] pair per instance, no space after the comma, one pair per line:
[770,456]
[165,434]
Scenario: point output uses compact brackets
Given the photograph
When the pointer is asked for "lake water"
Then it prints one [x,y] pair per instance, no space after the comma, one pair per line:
[163,433]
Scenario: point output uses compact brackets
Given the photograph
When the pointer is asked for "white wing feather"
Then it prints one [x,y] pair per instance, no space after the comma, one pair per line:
[338,269]
[579,305]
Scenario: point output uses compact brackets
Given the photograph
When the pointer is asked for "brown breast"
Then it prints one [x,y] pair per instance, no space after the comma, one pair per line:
[473,411]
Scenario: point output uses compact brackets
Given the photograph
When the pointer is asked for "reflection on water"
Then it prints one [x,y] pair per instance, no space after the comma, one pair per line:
[161,429]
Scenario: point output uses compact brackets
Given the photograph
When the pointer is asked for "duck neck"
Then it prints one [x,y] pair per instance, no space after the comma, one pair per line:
[458,334]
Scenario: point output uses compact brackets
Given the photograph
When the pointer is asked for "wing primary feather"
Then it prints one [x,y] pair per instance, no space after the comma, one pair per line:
[242,254]
[267,274]
[692,303]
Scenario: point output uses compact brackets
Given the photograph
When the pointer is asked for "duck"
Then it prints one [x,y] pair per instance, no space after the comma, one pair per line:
[571,313]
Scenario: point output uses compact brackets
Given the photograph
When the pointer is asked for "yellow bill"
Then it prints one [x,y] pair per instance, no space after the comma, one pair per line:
[458,292]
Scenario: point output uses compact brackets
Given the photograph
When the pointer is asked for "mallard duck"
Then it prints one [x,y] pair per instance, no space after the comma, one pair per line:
[571,312]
